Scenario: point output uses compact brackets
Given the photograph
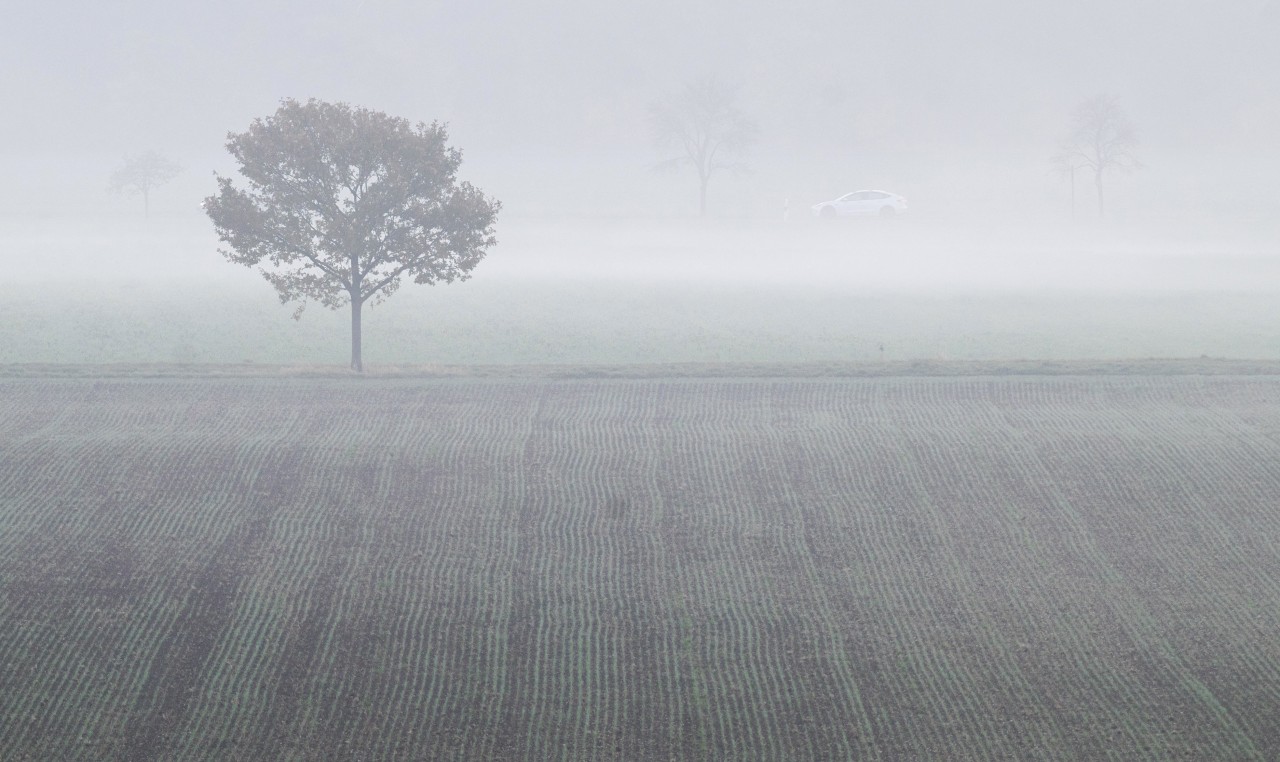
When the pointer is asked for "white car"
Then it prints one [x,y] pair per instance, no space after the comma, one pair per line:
[863,203]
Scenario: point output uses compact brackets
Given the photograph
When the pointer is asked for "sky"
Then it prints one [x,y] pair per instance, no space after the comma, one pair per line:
[548,100]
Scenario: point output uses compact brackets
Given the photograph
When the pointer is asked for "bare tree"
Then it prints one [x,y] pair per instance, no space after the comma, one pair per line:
[703,125]
[141,174]
[1101,139]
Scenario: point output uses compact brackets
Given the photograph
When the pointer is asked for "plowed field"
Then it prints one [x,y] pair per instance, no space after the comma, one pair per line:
[888,568]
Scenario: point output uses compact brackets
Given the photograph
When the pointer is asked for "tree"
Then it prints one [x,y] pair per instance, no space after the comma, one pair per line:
[141,174]
[1066,163]
[344,203]
[705,128]
[1101,139]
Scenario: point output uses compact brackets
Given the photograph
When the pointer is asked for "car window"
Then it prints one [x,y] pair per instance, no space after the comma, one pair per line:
[877,195]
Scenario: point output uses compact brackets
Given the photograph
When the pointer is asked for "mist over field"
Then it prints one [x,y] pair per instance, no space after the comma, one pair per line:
[957,107]
[660,290]
[848,380]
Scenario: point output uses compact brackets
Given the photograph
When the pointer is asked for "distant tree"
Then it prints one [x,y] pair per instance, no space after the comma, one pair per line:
[1065,163]
[343,203]
[141,174]
[704,127]
[1101,140]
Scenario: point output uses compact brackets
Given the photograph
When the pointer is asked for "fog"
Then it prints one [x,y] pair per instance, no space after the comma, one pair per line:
[956,106]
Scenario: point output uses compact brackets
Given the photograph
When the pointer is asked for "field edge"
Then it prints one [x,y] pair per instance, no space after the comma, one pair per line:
[923,368]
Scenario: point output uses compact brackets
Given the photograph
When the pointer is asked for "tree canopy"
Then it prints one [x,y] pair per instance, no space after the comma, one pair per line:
[343,204]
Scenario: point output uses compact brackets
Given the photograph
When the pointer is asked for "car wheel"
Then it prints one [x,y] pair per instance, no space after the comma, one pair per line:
[828,213]
[887,212]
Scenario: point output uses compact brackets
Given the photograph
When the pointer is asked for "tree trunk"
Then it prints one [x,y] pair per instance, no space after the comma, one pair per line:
[1073,195]
[356,365]
[1097,179]
[146,204]
[702,196]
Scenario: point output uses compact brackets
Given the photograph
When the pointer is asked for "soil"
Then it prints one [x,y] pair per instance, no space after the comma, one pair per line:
[533,566]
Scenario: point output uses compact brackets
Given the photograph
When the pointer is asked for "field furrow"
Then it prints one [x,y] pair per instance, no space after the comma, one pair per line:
[982,568]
